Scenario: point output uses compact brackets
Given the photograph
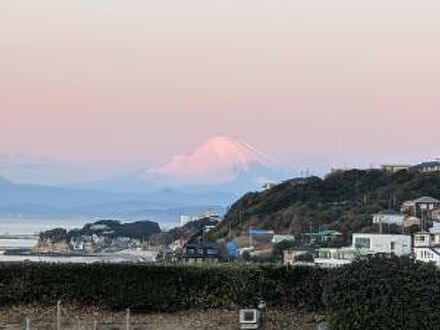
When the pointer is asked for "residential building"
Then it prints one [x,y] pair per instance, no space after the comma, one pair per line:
[281,238]
[394,168]
[76,244]
[389,217]
[421,207]
[411,221]
[201,252]
[363,245]
[427,203]
[367,244]
[428,167]
[323,236]
[427,245]
[333,257]
[435,215]
[177,245]
[435,229]
[290,256]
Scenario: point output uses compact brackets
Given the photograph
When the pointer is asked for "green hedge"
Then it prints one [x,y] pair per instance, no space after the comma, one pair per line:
[374,293]
[383,293]
[160,288]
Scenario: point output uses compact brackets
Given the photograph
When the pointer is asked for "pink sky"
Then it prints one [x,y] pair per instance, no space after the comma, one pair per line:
[314,83]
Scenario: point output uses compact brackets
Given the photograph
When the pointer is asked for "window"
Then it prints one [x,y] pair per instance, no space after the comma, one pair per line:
[392,246]
[362,243]
[420,239]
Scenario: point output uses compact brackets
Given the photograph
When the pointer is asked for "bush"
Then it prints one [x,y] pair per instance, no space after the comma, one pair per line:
[159,287]
[383,293]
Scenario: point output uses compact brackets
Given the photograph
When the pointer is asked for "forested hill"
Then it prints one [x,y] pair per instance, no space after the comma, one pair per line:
[343,201]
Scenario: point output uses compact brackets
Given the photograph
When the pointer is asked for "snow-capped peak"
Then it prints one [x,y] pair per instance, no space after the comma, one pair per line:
[217,159]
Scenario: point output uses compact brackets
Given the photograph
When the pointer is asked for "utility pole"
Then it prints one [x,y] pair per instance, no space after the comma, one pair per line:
[59,315]
[28,323]
[250,237]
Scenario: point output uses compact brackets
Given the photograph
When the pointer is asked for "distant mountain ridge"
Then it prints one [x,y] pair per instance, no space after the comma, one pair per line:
[38,201]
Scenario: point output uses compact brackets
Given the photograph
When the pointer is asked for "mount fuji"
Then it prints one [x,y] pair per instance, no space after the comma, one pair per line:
[218,170]
[218,160]
[211,175]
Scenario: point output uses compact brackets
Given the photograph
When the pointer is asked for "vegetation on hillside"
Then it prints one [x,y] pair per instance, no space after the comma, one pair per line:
[141,230]
[344,201]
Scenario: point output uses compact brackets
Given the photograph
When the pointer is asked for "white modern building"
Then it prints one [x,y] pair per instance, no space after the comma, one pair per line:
[363,245]
[389,217]
[366,244]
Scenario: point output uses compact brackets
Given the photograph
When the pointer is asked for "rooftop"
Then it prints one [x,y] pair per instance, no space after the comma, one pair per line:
[428,164]
[326,232]
[426,200]
[388,212]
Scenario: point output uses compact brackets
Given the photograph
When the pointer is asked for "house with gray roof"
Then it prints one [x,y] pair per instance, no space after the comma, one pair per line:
[428,167]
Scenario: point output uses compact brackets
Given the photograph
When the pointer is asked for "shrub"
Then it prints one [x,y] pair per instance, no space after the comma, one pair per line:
[160,287]
[383,293]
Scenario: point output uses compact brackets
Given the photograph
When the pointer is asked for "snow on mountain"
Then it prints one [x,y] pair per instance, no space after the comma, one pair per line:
[218,159]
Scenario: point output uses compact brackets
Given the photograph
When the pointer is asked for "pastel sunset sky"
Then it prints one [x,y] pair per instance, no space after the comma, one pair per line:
[112,85]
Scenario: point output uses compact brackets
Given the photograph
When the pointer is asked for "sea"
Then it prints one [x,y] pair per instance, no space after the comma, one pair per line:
[35,226]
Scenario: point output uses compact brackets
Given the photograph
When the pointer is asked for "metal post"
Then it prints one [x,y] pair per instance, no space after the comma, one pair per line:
[59,315]
[250,237]
[127,321]
[28,323]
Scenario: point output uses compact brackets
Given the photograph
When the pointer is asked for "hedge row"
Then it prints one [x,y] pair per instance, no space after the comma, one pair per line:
[160,288]
[383,293]
[374,293]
